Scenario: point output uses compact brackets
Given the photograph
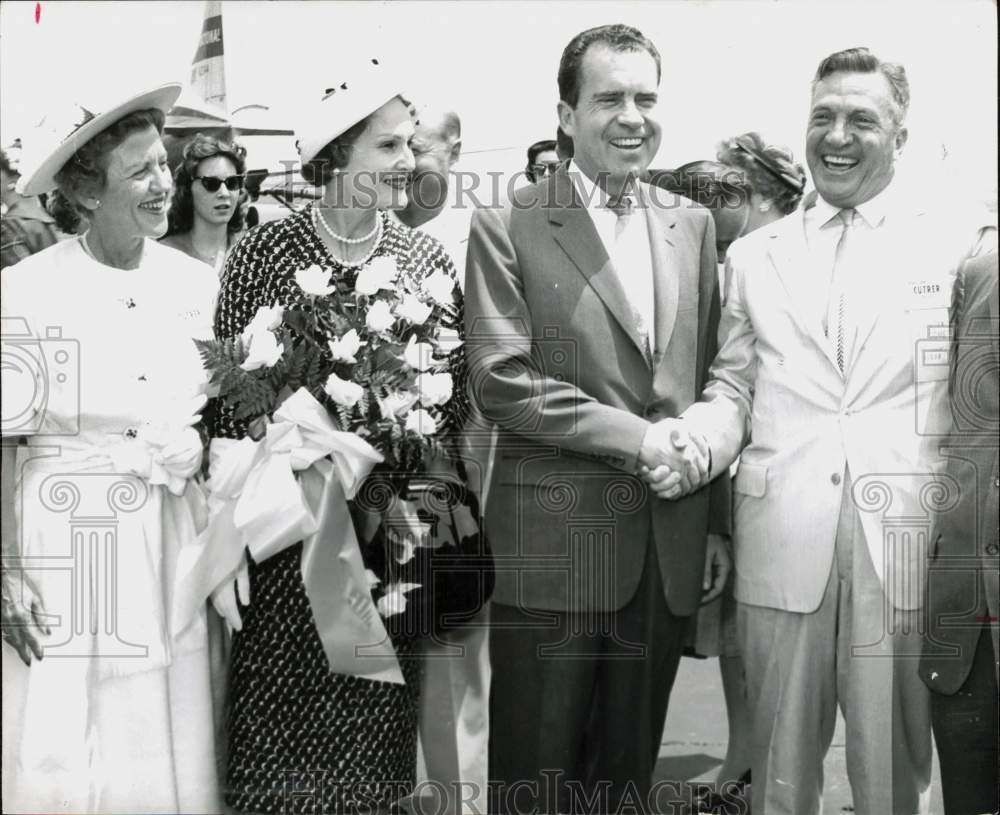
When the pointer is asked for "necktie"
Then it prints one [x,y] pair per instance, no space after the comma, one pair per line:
[837,305]
[622,207]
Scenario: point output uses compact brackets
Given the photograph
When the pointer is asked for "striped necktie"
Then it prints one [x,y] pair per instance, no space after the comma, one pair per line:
[836,326]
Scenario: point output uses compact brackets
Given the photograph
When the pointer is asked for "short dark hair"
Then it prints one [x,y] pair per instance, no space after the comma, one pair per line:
[771,171]
[335,155]
[540,147]
[201,147]
[617,37]
[863,61]
[87,168]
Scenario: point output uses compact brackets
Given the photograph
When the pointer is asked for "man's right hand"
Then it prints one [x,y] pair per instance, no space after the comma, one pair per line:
[674,461]
[22,615]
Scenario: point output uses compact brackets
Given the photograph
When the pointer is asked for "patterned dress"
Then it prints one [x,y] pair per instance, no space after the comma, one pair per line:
[302,739]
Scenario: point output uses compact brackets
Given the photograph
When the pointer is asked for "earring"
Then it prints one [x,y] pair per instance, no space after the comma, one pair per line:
[97,203]
[765,206]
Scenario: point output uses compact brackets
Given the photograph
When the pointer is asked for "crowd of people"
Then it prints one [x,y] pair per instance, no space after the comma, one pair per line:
[418,506]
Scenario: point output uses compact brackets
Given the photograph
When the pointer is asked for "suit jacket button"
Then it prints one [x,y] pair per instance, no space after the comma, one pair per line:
[835,479]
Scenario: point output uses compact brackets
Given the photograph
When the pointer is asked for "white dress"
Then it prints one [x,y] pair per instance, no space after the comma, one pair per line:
[99,365]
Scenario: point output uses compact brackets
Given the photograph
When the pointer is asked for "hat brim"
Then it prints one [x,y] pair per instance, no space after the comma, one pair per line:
[326,126]
[42,178]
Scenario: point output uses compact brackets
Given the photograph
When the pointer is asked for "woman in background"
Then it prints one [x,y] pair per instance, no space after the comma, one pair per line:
[206,216]
[776,180]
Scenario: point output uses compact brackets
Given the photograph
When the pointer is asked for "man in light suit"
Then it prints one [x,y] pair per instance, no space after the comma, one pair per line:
[960,653]
[832,371]
[591,308]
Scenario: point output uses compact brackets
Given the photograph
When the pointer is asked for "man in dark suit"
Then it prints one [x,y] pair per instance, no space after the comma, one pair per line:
[591,315]
[960,653]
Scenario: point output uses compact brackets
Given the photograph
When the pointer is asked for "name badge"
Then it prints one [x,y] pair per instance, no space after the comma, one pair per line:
[921,294]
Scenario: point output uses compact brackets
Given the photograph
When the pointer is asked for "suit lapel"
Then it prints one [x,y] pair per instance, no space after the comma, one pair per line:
[574,231]
[792,262]
[666,283]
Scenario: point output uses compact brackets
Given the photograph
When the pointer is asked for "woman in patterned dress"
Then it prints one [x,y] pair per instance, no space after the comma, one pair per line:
[301,738]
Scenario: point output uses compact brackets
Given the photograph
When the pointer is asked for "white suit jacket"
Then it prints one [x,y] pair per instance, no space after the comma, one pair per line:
[776,388]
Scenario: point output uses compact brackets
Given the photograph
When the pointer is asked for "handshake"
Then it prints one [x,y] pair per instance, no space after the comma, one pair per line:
[673,460]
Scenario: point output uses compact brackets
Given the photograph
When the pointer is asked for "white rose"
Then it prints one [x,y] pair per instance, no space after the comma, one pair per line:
[343,391]
[448,340]
[380,273]
[269,318]
[441,287]
[410,308]
[394,599]
[345,348]
[396,403]
[435,389]
[262,347]
[380,316]
[314,280]
[420,421]
[418,355]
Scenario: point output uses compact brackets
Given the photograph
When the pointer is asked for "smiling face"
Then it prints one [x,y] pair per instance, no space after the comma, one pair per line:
[853,139]
[214,207]
[137,190]
[381,160]
[613,127]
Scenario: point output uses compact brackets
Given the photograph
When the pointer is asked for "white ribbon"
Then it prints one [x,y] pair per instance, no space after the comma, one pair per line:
[258,502]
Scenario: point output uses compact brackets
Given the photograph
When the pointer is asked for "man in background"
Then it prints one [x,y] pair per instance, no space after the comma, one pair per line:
[25,226]
[437,147]
[454,714]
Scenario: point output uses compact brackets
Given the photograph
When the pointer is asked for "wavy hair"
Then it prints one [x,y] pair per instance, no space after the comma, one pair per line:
[87,169]
[771,171]
[180,219]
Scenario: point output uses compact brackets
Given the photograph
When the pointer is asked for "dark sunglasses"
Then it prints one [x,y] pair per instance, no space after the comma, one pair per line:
[212,184]
[541,170]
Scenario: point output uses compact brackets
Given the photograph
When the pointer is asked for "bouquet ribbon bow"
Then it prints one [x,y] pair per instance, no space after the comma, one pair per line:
[293,485]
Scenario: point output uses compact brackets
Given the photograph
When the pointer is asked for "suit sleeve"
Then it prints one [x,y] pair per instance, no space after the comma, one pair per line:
[723,414]
[507,377]
[720,490]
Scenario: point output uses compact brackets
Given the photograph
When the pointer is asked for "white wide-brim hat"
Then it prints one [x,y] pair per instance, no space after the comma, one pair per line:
[368,86]
[55,143]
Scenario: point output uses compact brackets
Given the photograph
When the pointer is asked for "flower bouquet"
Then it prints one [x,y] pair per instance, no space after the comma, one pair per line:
[335,382]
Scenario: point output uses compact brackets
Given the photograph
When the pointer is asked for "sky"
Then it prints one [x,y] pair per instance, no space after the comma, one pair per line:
[728,65]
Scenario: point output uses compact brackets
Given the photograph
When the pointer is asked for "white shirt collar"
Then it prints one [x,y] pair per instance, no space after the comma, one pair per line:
[873,211]
[595,199]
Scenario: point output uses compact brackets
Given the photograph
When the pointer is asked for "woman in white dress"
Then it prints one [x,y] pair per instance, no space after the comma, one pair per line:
[104,710]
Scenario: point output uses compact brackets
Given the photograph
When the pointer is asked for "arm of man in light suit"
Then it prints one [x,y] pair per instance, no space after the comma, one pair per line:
[722,416]
[508,380]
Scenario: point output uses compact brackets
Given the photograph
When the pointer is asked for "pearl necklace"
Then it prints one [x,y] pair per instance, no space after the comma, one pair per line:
[376,233]
[341,238]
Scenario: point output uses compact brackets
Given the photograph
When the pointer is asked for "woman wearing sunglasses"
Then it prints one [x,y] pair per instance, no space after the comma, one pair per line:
[206,216]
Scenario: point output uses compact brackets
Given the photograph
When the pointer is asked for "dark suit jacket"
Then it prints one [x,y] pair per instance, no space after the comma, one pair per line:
[556,362]
[963,579]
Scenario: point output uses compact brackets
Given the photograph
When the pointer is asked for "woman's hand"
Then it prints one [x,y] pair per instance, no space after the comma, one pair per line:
[718,565]
[22,615]
[234,592]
